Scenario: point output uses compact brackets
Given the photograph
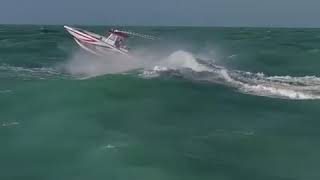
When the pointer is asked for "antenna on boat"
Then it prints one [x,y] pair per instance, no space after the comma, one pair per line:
[138,35]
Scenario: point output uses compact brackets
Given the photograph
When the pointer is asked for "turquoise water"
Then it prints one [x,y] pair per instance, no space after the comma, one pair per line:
[200,103]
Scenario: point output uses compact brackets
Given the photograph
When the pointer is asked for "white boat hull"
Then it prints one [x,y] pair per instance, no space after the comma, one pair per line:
[93,43]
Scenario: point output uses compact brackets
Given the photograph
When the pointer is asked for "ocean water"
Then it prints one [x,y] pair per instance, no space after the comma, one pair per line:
[197,103]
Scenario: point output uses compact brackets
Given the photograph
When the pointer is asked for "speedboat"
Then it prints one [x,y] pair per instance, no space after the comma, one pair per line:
[103,45]
[98,44]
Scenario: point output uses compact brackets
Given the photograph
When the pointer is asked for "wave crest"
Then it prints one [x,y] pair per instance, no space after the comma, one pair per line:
[285,87]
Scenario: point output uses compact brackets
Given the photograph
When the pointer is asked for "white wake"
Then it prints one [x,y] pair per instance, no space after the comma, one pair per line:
[185,64]
[287,87]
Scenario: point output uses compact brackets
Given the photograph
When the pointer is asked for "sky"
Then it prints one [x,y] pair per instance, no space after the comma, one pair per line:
[256,13]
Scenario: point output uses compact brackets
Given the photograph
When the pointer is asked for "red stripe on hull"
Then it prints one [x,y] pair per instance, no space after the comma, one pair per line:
[85,37]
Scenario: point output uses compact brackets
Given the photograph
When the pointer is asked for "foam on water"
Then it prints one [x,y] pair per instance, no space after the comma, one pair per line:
[185,64]
[180,63]
[5,91]
[287,87]
[182,59]
[8,124]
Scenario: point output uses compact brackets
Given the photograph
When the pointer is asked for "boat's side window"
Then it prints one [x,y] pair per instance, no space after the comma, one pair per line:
[113,37]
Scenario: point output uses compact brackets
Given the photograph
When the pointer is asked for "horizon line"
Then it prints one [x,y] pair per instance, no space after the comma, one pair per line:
[145,25]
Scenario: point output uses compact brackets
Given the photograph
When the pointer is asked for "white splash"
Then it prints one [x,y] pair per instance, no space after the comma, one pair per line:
[287,87]
[183,59]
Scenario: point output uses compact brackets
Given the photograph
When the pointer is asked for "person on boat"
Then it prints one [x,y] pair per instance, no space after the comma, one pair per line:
[121,42]
[117,43]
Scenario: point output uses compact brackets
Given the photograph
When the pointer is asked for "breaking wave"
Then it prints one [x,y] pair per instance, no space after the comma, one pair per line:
[185,65]
[180,63]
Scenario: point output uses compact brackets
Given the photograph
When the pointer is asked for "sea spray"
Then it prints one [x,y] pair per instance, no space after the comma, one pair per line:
[84,64]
